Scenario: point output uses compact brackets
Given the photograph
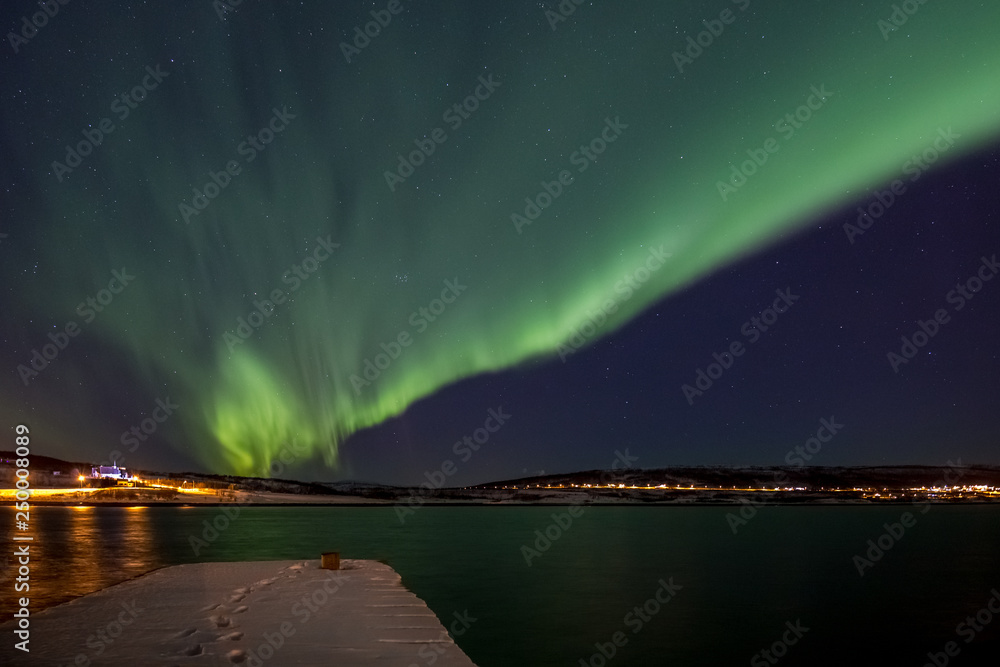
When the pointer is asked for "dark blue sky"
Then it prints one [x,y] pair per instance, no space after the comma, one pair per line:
[825,357]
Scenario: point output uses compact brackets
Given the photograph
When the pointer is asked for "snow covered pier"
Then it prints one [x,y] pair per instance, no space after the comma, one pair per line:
[249,614]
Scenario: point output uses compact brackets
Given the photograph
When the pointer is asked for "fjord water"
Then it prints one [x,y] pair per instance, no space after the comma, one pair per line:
[737,591]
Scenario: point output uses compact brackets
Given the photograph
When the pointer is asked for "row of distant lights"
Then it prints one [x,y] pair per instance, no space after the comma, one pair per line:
[180,488]
[978,488]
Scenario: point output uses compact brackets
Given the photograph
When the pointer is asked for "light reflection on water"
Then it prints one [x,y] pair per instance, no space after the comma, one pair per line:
[78,550]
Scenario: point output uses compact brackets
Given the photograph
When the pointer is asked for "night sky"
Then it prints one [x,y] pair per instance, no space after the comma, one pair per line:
[343,251]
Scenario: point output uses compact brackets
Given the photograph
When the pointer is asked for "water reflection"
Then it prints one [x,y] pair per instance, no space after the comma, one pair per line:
[80,551]
[139,549]
[85,549]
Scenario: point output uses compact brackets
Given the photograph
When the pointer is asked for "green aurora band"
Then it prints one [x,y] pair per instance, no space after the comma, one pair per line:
[526,291]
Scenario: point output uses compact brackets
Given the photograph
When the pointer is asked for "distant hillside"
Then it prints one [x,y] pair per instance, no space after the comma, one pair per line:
[45,463]
[813,478]
[45,471]
[44,468]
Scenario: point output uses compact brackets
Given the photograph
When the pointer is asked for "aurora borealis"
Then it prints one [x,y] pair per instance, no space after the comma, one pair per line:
[321,236]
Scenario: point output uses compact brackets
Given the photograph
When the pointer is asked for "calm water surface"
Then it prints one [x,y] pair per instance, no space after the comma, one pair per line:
[788,564]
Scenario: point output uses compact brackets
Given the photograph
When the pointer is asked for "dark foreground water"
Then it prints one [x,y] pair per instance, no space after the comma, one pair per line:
[738,595]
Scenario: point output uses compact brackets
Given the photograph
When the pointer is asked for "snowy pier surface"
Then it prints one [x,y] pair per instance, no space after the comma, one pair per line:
[249,614]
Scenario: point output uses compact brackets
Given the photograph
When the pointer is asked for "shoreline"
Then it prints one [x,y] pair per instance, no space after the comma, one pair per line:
[512,503]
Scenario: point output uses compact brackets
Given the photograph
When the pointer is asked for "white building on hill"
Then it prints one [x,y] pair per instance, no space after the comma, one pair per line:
[109,472]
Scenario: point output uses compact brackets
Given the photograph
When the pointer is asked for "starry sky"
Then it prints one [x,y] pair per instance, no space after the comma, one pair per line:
[361,240]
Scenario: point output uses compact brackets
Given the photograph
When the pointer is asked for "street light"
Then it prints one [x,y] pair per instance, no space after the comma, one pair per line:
[81,481]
